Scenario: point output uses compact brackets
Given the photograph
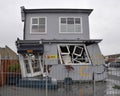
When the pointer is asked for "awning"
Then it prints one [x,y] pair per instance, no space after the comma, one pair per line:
[30,48]
[63,41]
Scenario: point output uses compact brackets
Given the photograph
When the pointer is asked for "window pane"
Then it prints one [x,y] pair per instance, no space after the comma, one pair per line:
[63,28]
[41,20]
[70,20]
[34,21]
[35,28]
[27,66]
[64,49]
[70,25]
[70,28]
[42,28]
[63,20]
[78,51]
[36,66]
[77,20]
[77,28]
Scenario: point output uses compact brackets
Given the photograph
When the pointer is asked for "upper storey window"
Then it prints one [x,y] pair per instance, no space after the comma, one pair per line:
[38,25]
[70,25]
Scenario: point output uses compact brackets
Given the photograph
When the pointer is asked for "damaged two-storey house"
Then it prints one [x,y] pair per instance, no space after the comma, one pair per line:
[56,43]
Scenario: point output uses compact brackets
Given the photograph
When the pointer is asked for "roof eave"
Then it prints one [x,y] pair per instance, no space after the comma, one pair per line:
[88,11]
[60,10]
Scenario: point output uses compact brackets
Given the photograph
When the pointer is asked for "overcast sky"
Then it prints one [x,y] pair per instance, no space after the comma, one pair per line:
[104,20]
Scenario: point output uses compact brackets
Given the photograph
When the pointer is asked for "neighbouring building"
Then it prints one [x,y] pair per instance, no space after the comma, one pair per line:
[7,57]
[112,58]
[57,41]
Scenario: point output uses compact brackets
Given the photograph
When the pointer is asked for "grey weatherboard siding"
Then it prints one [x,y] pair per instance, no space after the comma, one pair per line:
[53,16]
[53,27]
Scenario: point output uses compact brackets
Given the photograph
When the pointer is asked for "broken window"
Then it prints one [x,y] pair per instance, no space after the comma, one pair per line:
[35,63]
[26,62]
[78,51]
[64,49]
[73,54]
[32,64]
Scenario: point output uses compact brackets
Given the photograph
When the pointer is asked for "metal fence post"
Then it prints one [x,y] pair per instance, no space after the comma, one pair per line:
[46,75]
[1,69]
[93,83]
[46,82]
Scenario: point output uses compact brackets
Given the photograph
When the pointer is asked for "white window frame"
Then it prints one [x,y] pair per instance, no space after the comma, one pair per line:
[34,24]
[76,53]
[74,25]
[81,63]
[32,73]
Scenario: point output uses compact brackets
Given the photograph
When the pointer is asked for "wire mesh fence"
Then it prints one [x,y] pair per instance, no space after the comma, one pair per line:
[13,84]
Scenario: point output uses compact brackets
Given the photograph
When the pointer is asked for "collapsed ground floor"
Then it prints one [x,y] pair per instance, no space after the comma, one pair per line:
[58,59]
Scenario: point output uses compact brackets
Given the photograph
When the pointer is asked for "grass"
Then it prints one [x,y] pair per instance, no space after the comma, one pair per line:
[13,68]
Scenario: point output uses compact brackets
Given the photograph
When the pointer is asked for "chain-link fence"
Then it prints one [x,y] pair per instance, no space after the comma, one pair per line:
[87,81]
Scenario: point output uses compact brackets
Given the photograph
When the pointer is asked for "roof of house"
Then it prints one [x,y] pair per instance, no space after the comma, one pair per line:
[113,55]
[7,53]
[56,10]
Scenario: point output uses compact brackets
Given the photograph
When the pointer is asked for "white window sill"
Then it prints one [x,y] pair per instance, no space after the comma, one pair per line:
[40,33]
[70,32]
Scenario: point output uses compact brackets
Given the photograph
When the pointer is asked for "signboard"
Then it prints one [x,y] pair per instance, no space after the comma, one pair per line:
[51,59]
[82,68]
[51,56]
[30,51]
